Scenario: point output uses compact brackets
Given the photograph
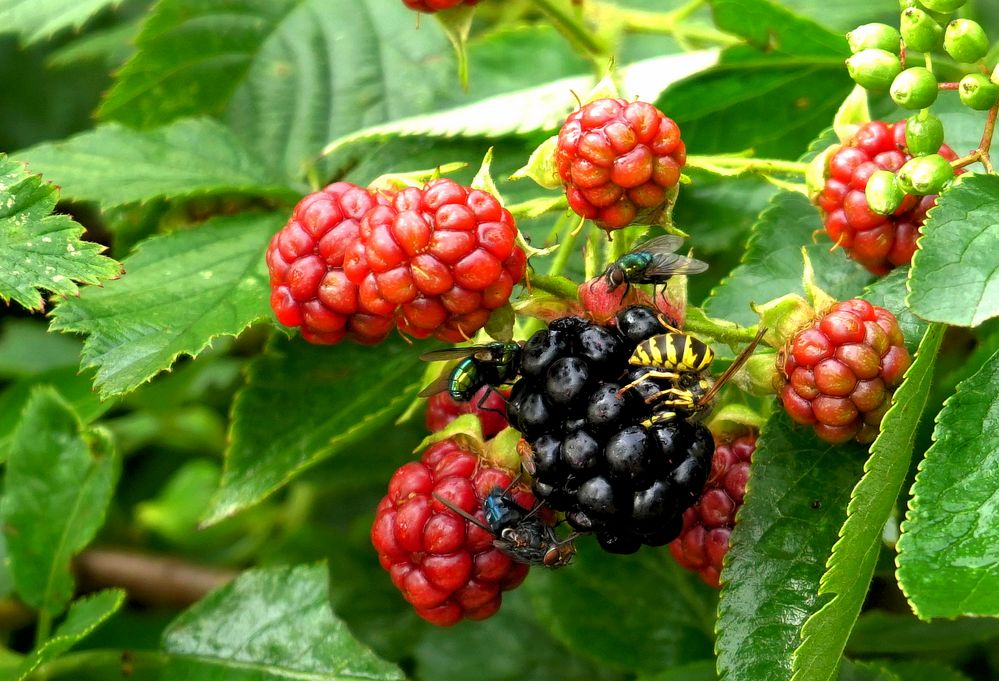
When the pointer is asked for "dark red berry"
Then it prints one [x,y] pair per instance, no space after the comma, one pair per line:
[839,372]
[878,242]
[442,410]
[618,159]
[445,566]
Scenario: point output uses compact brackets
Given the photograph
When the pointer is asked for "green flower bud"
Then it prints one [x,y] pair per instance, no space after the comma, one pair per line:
[874,69]
[920,31]
[965,41]
[914,88]
[978,92]
[874,37]
[943,5]
[883,194]
[940,17]
[924,175]
[924,134]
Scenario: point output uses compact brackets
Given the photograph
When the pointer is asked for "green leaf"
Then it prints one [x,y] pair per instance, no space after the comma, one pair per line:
[946,560]
[954,278]
[59,482]
[270,624]
[864,671]
[27,347]
[880,633]
[181,291]
[695,671]
[39,250]
[889,292]
[39,19]
[851,565]
[114,165]
[772,265]
[795,504]
[84,616]
[771,28]
[302,404]
[669,609]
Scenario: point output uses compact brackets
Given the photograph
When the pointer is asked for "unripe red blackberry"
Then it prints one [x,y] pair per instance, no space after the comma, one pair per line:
[708,524]
[618,159]
[839,372]
[440,258]
[431,6]
[442,410]
[305,259]
[445,566]
[878,242]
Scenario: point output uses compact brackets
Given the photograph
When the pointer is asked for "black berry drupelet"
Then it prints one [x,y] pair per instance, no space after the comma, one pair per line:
[593,458]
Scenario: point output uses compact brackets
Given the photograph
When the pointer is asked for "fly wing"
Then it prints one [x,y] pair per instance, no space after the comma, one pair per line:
[449,353]
[661,244]
[440,385]
[668,264]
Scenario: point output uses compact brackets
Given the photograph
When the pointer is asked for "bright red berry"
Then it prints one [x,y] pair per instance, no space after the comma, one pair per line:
[707,524]
[445,566]
[431,6]
[442,410]
[878,242]
[839,372]
[602,304]
[440,258]
[618,159]
[305,259]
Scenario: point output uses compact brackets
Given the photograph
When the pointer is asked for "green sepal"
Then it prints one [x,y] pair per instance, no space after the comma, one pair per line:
[414,178]
[499,326]
[853,114]
[541,165]
[784,317]
[501,449]
[466,430]
[483,179]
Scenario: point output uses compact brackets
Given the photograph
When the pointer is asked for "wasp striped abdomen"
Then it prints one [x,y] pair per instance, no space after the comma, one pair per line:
[673,351]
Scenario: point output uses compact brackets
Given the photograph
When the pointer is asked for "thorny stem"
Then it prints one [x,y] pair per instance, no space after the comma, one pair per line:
[736,165]
[568,24]
[983,153]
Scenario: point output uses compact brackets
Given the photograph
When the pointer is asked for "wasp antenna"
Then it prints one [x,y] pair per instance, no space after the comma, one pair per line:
[467,516]
[733,368]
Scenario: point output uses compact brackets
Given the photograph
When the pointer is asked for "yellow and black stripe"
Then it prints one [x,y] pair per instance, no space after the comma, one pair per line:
[675,351]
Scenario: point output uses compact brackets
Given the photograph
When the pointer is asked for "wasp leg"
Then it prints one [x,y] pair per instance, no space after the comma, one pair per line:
[673,376]
[665,321]
[658,418]
[685,394]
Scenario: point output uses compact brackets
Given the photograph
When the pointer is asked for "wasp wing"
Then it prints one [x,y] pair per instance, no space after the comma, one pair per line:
[449,353]
[440,385]
[668,264]
[660,244]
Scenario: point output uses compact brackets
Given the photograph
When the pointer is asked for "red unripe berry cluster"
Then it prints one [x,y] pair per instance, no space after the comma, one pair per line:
[442,410]
[840,371]
[878,242]
[707,525]
[445,566]
[434,261]
[431,6]
[617,160]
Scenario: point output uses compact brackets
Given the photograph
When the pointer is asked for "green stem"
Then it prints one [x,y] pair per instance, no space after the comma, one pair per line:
[591,262]
[568,24]
[736,165]
[725,332]
[557,286]
[44,627]
[667,23]
[123,662]
[566,248]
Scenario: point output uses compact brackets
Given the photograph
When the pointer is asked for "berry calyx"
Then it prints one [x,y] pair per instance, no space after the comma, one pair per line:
[978,92]
[839,372]
[879,242]
[874,36]
[924,175]
[883,193]
[924,134]
[618,160]
[431,6]
[708,524]
[914,88]
[445,566]
[965,40]
[874,69]
[442,410]
[920,31]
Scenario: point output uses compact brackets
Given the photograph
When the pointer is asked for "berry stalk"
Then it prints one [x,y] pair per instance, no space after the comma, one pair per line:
[728,166]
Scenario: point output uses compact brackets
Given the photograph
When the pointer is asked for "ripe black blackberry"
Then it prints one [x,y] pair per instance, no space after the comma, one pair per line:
[593,458]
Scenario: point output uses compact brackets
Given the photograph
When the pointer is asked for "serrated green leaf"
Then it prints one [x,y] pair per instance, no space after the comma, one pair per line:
[769,27]
[36,20]
[114,165]
[84,616]
[269,625]
[59,481]
[881,633]
[297,410]
[889,292]
[181,291]
[39,250]
[946,562]
[795,504]
[670,609]
[772,265]
[851,565]
[955,272]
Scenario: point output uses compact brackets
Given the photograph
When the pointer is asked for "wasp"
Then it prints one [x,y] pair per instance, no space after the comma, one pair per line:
[683,360]
[652,262]
[492,364]
[518,532]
